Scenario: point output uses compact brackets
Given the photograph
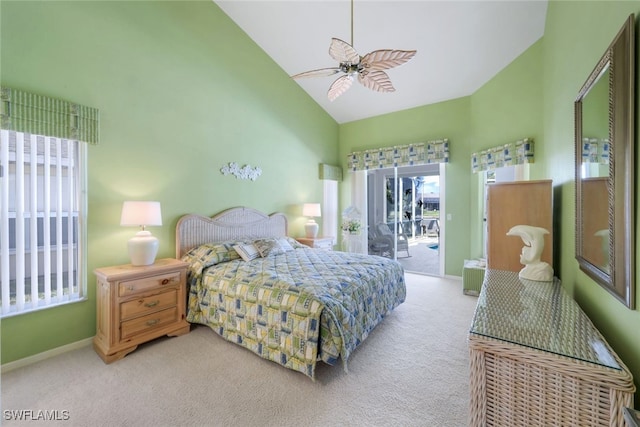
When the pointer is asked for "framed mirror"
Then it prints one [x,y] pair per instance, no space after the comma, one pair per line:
[605,170]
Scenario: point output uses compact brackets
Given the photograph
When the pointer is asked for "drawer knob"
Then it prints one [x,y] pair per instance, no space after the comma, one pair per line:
[152,303]
[152,322]
[164,281]
[131,287]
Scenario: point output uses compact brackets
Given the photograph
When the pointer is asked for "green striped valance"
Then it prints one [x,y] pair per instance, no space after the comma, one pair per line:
[515,153]
[595,151]
[328,172]
[37,114]
[420,153]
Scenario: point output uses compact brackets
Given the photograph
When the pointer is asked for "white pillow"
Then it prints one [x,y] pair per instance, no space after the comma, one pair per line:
[272,246]
[247,251]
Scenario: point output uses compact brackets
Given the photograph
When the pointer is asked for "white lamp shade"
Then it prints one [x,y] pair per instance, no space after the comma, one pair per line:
[143,247]
[137,213]
[311,209]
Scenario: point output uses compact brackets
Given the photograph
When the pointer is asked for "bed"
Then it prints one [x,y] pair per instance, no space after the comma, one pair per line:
[290,304]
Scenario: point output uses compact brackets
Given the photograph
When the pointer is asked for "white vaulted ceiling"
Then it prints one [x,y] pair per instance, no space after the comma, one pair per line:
[461,44]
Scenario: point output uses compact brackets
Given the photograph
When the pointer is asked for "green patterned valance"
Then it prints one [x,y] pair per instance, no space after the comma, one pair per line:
[328,172]
[515,153]
[595,151]
[420,153]
[36,114]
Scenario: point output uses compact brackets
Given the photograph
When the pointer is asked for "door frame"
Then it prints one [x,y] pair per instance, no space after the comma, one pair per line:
[376,203]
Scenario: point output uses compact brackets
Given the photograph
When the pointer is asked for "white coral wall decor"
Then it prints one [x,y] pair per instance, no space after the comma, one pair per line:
[245,172]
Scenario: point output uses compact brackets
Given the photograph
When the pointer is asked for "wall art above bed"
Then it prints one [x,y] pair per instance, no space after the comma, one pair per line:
[245,172]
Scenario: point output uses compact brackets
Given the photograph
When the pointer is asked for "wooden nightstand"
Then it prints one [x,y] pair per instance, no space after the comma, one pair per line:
[138,304]
[325,243]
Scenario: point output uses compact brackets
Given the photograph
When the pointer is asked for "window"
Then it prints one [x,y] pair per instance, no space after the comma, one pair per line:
[330,209]
[330,175]
[42,226]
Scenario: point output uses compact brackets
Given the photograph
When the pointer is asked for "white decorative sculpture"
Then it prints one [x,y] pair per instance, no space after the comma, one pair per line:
[533,238]
[245,172]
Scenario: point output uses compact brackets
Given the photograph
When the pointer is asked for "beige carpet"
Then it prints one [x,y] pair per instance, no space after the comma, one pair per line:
[411,371]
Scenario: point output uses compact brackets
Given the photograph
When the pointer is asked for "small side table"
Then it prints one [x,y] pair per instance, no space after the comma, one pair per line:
[472,277]
[325,243]
[353,243]
[136,304]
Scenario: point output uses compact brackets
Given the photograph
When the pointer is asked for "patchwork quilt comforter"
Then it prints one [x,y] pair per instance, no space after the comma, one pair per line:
[296,307]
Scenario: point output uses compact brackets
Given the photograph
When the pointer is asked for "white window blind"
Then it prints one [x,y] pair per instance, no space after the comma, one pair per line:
[41,226]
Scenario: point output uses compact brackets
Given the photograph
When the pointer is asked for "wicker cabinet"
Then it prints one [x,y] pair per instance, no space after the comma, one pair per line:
[537,360]
[517,203]
[138,304]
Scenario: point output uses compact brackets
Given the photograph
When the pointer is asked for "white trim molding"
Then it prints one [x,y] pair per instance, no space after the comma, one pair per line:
[30,360]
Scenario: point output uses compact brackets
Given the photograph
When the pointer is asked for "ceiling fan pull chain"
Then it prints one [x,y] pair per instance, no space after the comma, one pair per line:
[351,23]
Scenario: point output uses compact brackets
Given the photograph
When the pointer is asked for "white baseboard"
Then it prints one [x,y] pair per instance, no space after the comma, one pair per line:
[448,276]
[20,363]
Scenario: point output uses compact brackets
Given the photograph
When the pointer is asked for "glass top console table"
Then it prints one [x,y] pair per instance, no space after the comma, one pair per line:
[536,359]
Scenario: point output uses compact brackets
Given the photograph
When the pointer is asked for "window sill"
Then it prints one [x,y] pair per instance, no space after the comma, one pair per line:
[46,307]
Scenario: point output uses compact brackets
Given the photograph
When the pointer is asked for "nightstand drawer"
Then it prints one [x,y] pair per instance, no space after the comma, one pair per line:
[147,305]
[130,287]
[148,322]
[326,244]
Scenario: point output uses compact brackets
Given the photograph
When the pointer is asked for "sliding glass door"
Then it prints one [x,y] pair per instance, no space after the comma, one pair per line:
[403,215]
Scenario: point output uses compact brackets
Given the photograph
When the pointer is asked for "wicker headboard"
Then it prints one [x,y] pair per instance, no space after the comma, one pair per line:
[235,223]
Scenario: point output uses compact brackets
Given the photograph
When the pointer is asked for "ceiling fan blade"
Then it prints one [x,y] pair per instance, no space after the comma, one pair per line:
[376,80]
[339,87]
[322,72]
[386,58]
[342,51]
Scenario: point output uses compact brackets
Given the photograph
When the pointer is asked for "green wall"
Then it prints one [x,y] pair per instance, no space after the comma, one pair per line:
[443,120]
[505,109]
[532,97]
[180,96]
[182,91]
[576,36]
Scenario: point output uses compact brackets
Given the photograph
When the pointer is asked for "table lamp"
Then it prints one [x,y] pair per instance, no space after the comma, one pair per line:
[143,247]
[311,227]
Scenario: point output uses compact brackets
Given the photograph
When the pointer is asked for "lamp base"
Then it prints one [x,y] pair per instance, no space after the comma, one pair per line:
[143,248]
[311,229]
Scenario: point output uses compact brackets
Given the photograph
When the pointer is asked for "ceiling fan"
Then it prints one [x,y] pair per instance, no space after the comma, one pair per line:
[368,68]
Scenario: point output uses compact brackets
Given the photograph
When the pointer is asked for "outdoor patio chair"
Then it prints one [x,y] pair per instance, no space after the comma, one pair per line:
[433,229]
[379,245]
[402,240]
